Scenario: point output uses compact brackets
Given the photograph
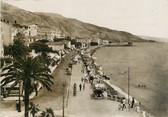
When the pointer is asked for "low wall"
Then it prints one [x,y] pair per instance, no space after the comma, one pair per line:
[123,94]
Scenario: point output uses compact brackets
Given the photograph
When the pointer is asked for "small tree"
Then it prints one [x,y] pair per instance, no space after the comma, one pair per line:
[93,43]
[48,113]
[73,41]
[18,48]
[78,45]
[33,109]
[40,47]
[44,50]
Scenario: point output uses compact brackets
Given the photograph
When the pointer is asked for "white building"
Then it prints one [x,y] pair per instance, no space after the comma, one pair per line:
[14,32]
[1,48]
[58,46]
[31,31]
[68,44]
[105,42]
[55,35]
[6,32]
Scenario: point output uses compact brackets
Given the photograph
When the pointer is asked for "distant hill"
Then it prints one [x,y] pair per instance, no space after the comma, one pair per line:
[154,39]
[68,26]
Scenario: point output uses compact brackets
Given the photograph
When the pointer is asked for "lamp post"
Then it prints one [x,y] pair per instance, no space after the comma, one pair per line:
[63,100]
[128,88]
[19,109]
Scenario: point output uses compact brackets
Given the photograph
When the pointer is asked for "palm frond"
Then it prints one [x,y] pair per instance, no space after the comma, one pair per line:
[7,68]
[12,86]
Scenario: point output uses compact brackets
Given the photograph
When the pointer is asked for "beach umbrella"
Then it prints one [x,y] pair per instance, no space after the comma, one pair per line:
[94,58]
[99,85]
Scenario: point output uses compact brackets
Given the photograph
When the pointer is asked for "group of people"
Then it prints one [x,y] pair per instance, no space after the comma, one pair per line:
[122,104]
[81,86]
[84,79]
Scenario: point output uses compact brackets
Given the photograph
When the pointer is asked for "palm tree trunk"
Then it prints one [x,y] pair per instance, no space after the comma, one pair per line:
[26,98]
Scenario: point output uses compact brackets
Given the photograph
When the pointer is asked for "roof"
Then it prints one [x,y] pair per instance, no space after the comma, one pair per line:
[55,43]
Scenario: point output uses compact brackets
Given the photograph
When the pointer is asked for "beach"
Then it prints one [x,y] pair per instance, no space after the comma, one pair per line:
[148,66]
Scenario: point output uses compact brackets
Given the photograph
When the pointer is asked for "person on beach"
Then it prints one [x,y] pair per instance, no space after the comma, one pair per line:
[133,101]
[80,87]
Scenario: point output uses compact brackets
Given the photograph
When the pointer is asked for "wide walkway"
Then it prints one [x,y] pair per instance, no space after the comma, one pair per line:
[82,105]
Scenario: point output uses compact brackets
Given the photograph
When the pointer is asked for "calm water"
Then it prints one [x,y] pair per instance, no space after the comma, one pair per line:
[148,64]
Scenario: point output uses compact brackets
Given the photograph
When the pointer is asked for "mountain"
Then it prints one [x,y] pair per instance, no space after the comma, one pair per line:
[154,39]
[68,26]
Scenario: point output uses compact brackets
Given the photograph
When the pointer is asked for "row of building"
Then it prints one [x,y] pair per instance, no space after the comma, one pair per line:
[32,33]
[96,41]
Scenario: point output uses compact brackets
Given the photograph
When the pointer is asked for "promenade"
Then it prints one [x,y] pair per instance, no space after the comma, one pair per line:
[82,105]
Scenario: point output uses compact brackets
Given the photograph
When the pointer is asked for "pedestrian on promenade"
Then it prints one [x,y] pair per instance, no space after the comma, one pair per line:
[124,103]
[120,106]
[74,89]
[83,86]
[82,79]
[80,86]
[133,101]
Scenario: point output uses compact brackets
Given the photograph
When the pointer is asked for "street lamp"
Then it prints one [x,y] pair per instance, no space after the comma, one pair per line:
[19,109]
[128,88]
[63,100]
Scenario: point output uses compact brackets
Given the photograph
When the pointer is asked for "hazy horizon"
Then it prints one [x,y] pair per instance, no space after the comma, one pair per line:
[139,17]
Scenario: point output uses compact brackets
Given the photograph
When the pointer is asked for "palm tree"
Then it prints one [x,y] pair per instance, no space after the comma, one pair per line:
[29,71]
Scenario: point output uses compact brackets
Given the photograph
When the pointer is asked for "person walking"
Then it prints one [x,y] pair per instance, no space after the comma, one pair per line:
[120,106]
[124,103]
[74,89]
[80,86]
[81,79]
[133,101]
[83,86]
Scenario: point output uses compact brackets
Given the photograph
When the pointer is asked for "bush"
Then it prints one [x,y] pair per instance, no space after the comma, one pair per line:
[93,43]
[43,41]
[73,41]
[78,44]
[40,47]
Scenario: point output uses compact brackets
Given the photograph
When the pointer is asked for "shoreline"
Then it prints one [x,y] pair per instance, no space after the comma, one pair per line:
[114,81]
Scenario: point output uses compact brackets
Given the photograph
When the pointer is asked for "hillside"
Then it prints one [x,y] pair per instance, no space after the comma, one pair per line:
[68,26]
[154,39]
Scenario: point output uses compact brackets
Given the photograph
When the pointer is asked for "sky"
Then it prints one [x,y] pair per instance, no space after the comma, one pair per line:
[139,17]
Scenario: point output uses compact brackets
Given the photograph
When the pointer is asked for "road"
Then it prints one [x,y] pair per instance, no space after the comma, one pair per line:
[82,105]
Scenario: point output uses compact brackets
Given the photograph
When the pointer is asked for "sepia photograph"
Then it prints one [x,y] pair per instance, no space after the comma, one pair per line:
[84,58]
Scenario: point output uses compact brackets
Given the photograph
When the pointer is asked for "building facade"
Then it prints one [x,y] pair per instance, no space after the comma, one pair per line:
[1,48]
[58,46]
[31,31]
[6,32]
